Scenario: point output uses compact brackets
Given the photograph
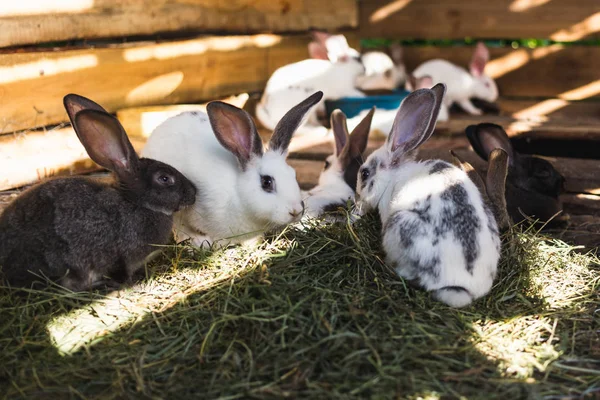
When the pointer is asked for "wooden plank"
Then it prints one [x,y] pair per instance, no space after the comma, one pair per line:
[569,73]
[560,20]
[21,24]
[27,158]
[581,204]
[556,108]
[33,84]
[141,121]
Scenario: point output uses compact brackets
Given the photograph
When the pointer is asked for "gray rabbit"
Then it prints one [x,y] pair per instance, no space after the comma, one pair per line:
[83,232]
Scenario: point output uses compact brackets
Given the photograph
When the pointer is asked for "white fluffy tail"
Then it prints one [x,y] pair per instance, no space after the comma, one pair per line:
[454,296]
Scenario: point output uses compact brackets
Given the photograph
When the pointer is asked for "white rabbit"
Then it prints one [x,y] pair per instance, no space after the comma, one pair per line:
[242,190]
[437,231]
[462,85]
[337,182]
[333,69]
[382,71]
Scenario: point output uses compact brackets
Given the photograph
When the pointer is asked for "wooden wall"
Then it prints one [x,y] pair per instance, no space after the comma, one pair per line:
[562,80]
[198,50]
[23,24]
[157,52]
[560,20]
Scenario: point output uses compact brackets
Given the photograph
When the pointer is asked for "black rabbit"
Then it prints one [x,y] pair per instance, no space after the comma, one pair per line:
[533,186]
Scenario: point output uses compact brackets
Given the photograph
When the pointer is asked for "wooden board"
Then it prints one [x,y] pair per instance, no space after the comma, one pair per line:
[141,121]
[30,157]
[33,84]
[20,23]
[554,108]
[560,20]
[569,73]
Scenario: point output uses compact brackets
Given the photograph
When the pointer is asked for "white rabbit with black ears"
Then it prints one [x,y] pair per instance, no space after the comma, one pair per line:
[243,190]
[437,231]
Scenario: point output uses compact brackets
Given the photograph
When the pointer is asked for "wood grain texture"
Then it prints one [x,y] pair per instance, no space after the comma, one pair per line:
[33,84]
[31,157]
[87,19]
[561,20]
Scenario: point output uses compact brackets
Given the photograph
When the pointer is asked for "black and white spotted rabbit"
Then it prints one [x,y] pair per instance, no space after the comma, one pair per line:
[437,231]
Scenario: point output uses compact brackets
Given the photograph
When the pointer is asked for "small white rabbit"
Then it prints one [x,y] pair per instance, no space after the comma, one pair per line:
[337,182]
[437,231]
[382,71]
[333,69]
[462,85]
[241,189]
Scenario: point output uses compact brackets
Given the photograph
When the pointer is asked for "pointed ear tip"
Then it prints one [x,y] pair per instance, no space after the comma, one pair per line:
[71,98]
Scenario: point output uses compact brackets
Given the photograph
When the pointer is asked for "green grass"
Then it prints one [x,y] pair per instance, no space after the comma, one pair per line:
[310,313]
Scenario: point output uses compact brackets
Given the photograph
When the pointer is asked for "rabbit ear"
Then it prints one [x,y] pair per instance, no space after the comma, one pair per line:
[74,103]
[235,130]
[416,119]
[340,130]
[486,137]
[336,46]
[318,47]
[496,186]
[480,57]
[105,141]
[317,50]
[396,53]
[360,136]
[471,173]
[412,121]
[285,128]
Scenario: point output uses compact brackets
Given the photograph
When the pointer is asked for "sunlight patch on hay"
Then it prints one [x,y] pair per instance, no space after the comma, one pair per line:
[563,277]
[519,346]
[120,309]
[564,282]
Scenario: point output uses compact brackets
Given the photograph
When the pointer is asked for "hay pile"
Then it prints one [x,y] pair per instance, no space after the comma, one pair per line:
[310,313]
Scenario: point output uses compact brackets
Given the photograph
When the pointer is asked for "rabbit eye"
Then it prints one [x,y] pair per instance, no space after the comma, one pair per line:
[164,179]
[364,174]
[327,164]
[267,183]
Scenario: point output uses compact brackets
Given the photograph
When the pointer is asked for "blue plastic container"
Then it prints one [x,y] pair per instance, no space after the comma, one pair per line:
[352,106]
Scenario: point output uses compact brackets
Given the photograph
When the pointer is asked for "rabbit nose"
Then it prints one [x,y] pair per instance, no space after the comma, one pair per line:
[297,213]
